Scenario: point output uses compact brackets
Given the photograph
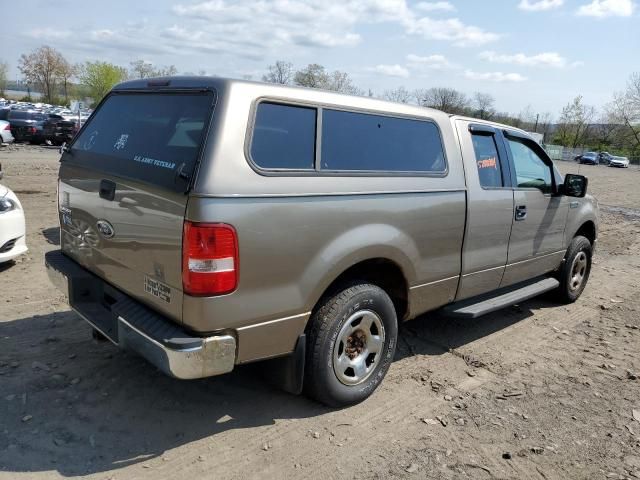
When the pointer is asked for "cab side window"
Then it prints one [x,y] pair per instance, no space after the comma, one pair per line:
[487,160]
[530,169]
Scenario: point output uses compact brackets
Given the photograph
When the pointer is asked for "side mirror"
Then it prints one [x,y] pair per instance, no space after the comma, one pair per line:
[63,148]
[575,185]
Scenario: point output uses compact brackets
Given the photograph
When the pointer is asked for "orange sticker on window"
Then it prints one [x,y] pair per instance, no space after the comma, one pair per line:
[488,163]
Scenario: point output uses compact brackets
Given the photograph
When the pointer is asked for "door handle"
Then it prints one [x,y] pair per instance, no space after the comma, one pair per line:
[107,189]
[521,212]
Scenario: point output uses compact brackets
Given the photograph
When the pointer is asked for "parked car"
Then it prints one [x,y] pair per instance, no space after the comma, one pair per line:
[604,158]
[5,132]
[303,226]
[57,130]
[12,225]
[621,162]
[589,158]
[26,125]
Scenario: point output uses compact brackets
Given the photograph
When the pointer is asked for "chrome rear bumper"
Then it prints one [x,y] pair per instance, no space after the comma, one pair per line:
[132,326]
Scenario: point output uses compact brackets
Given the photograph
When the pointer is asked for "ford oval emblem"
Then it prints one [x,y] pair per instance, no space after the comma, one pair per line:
[105,229]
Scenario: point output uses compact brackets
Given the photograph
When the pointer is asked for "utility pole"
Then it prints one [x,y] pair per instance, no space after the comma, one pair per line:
[535,129]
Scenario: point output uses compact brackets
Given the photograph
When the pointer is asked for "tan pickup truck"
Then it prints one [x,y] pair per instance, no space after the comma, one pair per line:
[207,223]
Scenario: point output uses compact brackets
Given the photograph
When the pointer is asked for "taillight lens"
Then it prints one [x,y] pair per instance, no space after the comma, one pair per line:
[7,127]
[32,130]
[209,259]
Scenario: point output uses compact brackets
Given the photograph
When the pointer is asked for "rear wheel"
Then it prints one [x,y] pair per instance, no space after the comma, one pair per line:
[574,274]
[351,342]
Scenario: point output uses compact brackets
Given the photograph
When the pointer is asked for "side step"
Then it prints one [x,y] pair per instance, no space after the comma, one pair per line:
[499,299]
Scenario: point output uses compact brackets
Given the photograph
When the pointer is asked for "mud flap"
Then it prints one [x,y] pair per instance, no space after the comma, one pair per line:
[287,372]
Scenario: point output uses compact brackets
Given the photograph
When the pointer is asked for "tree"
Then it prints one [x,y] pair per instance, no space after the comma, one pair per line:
[4,77]
[400,95]
[280,72]
[67,72]
[315,76]
[100,77]
[341,82]
[446,99]
[625,108]
[43,68]
[166,71]
[604,132]
[142,69]
[633,94]
[484,105]
[573,125]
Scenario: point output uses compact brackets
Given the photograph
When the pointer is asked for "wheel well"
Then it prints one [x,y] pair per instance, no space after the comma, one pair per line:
[587,230]
[381,272]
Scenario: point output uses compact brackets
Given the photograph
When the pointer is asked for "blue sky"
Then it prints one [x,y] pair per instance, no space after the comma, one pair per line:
[540,53]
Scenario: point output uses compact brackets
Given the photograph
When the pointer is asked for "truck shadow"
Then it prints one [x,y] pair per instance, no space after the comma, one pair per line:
[436,334]
[52,235]
[81,407]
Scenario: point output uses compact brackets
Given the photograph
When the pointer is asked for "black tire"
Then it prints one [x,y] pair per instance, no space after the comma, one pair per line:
[328,325]
[570,289]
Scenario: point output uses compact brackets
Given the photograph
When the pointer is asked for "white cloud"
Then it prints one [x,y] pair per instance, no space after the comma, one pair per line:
[453,30]
[494,76]
[324,24]
[435,6]
[260,29]
[607,8]
[321,39]
[391,70]
[539,5]
[436,62]
[49,33]
[545,59]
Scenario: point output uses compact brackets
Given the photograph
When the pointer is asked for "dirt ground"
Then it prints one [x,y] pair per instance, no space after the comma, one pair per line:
[538,391]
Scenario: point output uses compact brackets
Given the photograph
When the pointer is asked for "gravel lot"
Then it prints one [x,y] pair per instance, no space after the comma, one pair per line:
[538,391]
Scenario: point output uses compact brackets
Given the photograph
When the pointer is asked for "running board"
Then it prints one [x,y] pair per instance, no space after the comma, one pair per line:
[499,299]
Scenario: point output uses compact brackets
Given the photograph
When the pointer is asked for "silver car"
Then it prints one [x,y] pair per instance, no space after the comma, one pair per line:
[620,162]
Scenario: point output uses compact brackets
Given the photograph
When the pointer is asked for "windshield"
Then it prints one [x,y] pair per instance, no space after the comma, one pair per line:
[151,137]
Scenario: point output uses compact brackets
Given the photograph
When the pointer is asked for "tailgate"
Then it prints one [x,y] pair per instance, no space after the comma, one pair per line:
[123,191]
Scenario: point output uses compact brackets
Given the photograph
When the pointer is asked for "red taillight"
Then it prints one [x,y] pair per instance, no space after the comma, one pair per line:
[32,130]
[7,127]
[209,259]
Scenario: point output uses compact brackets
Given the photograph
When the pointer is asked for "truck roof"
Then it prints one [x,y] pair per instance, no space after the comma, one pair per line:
[296,92]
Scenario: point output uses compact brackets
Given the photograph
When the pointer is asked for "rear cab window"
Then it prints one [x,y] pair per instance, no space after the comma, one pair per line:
[365,142]
[287,137]
[284,137]
[153,137]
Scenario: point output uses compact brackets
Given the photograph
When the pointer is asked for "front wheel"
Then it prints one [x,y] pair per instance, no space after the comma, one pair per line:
[575,270]
[351,343]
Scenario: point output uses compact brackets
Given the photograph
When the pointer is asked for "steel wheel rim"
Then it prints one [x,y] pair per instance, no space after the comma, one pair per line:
[578,271]
[358,347]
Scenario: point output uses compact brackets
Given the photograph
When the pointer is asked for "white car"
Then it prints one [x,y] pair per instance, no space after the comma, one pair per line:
[12,225]
[5,132]
[622,162]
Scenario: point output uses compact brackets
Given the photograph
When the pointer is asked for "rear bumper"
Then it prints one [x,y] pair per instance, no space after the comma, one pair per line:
[133,326]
